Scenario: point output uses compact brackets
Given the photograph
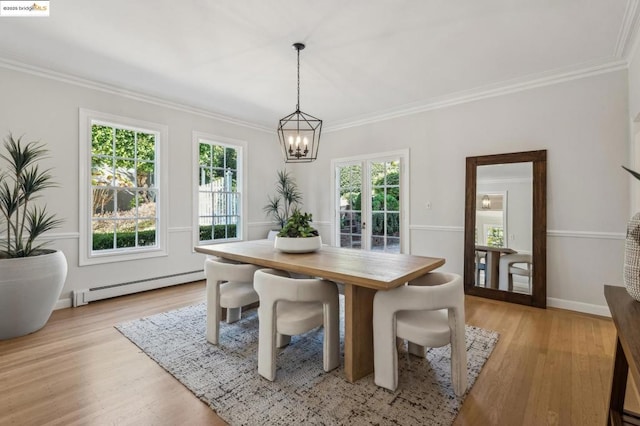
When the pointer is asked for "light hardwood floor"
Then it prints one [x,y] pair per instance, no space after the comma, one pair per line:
[549,367]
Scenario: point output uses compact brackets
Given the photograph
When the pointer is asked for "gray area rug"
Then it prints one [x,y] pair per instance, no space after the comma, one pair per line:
[226,376]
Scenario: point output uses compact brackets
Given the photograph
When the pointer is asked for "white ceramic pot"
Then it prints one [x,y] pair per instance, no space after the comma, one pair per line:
[297,245]
[29,290]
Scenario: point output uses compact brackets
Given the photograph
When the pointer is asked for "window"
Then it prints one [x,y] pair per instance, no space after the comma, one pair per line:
[122,206]
[219,186]
[369,201]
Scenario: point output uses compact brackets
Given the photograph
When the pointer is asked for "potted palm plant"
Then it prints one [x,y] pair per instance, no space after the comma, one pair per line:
[31,276]
[297,235]
[286,199]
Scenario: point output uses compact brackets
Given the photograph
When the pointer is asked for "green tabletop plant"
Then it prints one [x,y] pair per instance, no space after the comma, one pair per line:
[298,226]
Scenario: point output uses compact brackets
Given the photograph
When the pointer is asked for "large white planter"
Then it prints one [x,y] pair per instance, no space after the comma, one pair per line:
[297,245]
[29,290]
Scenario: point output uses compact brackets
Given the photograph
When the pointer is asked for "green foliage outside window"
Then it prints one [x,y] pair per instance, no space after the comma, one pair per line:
[123,177]
[219,232]
[104,241]
[495,237]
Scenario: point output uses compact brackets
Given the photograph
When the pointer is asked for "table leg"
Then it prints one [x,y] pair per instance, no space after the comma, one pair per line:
[618,386]
[358,336]
[492,266]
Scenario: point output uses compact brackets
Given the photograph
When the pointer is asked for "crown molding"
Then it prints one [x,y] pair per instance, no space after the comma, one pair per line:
[628,35]
[114,90]
[498,89]
[628,41]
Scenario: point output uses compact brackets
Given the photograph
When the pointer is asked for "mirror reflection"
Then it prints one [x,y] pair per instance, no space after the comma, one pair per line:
[503,227]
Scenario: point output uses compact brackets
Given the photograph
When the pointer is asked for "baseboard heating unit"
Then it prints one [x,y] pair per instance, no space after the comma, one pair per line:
[84,296]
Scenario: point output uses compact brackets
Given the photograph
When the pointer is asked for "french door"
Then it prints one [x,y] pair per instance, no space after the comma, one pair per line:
[369,198]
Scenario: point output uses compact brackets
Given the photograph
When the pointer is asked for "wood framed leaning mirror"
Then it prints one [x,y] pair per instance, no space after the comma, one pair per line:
[505,227]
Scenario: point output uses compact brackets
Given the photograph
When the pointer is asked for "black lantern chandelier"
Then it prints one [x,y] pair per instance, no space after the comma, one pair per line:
[299,133]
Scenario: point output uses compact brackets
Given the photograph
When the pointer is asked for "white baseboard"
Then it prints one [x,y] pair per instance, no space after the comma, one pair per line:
[586,308]
[84,296]
[63,303]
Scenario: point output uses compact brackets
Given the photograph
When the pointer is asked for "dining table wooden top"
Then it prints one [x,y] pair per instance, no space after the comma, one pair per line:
[372,269]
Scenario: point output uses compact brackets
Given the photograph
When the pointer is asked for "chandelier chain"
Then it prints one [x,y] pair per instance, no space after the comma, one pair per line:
[298,104]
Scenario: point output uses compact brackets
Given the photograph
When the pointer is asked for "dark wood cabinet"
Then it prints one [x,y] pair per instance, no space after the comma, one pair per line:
[625,312]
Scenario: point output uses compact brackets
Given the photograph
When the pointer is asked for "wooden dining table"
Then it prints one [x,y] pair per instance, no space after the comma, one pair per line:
[492,263]
[363,273]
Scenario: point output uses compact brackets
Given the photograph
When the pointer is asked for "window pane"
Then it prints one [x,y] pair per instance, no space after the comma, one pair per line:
[147,200]
[206,228]
[377,224]
[393,245]
[145,174]
[205,155]
[102,201]
[125,203]
[125,234]
[102,234]
[230,158]
[125,174]
[377,243]
[125,143]
[393,224]
[231,180]
[205,176]
[218,156]
[101,140]
[146,146]
[218,176]
[147,233]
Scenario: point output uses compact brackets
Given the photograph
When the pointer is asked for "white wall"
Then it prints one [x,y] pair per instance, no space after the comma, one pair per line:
[47,109]
[634,124]
[584,126]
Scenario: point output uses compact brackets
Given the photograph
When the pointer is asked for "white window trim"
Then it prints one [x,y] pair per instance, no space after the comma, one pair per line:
[242,159]
[85,256]
[403,155]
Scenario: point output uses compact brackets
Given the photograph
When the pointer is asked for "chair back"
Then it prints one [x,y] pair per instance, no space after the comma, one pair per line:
[435,290]
[217,270]
[273,285]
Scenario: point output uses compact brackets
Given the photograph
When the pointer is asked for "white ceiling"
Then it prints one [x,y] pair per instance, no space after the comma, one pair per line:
[365,59]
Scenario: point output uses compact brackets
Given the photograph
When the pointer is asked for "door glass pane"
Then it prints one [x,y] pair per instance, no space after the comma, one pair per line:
[385,205]
[350,178]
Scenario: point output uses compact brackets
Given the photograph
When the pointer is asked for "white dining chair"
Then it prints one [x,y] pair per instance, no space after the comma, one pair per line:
[291,306]
[515,264]
[427,312]
[229,286]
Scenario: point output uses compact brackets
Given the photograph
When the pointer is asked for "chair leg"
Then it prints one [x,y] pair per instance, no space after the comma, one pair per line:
[385,355]
[458,358]
[282,340]
[267,342]
[233,314]
[331,340]
[214,312]
[415,349]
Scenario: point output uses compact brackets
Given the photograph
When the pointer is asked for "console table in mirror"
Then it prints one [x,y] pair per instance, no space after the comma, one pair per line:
[506,227]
